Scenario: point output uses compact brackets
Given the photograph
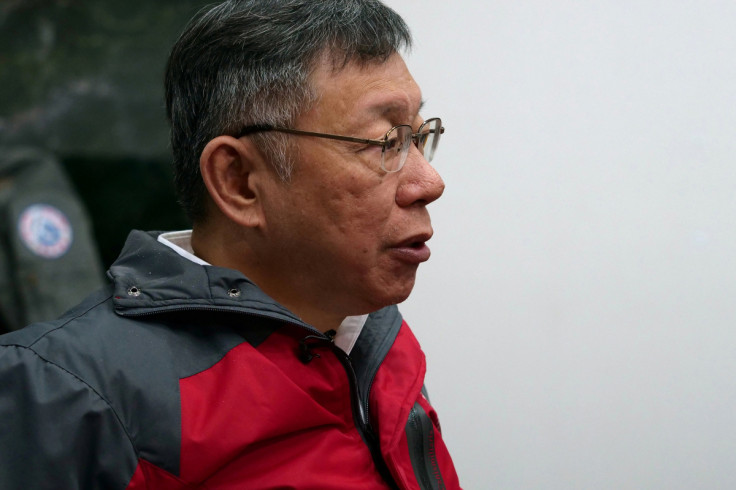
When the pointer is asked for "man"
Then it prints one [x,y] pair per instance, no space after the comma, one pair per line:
[263,348]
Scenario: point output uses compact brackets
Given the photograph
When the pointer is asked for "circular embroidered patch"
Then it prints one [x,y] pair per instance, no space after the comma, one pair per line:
[45,231]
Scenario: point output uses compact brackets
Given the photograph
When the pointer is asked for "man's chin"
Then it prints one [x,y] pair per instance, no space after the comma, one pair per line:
[396,296]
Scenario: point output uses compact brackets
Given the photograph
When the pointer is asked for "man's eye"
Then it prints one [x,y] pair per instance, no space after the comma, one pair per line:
[393,144]
[368,148]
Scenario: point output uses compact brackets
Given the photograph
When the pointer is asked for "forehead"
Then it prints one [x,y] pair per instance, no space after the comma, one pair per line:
[361,91]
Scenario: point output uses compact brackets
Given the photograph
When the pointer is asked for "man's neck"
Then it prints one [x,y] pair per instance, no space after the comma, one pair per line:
[219,252]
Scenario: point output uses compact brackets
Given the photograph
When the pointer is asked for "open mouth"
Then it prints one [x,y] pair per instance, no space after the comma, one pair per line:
[415,242]
[413,251]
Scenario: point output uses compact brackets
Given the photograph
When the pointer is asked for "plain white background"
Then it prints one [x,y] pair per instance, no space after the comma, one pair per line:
[578,312]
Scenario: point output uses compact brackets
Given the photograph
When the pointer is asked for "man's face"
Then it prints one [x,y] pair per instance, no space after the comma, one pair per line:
[346,235]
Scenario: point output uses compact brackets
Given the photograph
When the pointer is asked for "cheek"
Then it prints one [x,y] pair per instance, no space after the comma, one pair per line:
[349,205]
[359,206]
[369,221]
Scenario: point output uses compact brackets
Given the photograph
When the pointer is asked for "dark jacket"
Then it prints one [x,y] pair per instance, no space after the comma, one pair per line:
[185,376]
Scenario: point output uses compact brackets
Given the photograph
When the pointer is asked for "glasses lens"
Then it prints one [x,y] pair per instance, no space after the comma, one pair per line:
[396,150]
[429,137]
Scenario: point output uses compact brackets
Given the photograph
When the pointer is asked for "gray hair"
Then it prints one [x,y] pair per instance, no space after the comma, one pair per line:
[247,62]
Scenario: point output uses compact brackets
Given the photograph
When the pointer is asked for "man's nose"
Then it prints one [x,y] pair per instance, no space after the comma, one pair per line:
[419,182]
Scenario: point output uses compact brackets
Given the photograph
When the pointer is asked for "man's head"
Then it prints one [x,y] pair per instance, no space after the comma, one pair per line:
[249,62]
[334,234]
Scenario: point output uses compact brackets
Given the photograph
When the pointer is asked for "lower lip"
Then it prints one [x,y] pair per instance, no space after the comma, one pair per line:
[413,255]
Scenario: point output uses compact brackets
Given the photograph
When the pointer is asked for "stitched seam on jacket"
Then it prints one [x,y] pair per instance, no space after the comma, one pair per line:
[115,414]
[415,442]
[422,450]
[209,284]
[92,307]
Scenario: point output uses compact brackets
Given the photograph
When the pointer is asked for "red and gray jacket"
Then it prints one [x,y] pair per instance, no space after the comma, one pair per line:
[181,376]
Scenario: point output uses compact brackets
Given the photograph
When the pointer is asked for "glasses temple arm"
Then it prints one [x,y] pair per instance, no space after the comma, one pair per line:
[265,127]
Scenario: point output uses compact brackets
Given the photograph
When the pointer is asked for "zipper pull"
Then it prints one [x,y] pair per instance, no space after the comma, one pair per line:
[305,352]
[311,341]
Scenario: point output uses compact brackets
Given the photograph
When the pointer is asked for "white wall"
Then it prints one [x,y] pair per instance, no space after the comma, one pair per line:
[579,309]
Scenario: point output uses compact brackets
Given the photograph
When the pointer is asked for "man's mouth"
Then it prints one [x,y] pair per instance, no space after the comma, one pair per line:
[414,249]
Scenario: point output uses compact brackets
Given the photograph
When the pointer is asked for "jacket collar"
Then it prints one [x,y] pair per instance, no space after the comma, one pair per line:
[150,278]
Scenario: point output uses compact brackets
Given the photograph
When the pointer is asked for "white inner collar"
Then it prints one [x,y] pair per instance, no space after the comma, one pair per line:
[181,243]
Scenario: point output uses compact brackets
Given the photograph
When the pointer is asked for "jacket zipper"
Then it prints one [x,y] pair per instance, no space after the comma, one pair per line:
[362,422]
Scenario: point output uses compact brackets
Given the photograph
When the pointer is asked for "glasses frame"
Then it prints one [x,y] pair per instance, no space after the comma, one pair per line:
[383,143]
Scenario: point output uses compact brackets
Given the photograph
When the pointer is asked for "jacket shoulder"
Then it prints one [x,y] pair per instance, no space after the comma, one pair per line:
[61,429]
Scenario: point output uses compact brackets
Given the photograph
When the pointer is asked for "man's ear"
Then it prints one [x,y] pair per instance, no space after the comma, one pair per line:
[230,168]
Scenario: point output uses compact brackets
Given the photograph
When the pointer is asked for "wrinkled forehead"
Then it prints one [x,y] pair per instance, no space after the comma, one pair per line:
[374,88]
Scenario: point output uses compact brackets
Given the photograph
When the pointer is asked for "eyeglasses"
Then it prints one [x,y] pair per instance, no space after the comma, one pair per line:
[395,144]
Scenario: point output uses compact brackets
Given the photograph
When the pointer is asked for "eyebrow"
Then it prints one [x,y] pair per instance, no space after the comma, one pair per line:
[385,106]
[399,108]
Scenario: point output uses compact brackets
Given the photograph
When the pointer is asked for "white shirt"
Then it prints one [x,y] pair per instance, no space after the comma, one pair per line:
[181,243]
